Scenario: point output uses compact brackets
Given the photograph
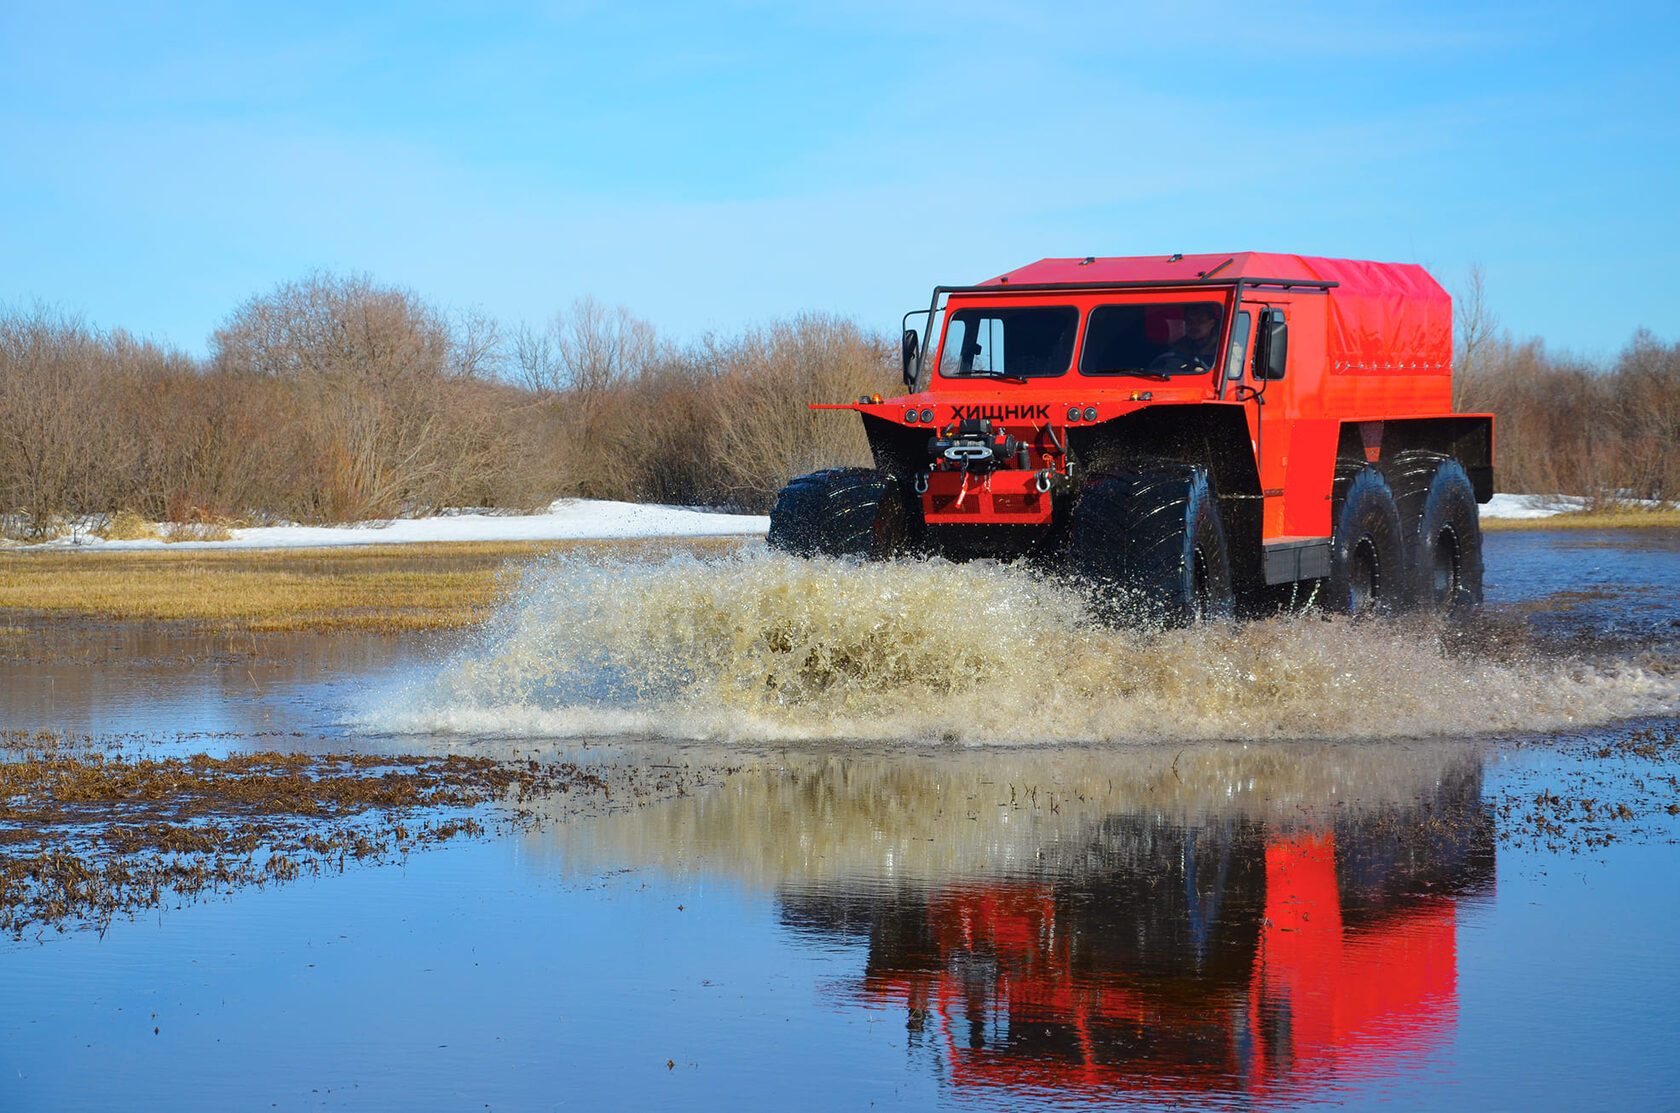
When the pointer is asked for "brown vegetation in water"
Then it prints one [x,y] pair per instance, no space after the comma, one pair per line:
[88,832]
[1617,790]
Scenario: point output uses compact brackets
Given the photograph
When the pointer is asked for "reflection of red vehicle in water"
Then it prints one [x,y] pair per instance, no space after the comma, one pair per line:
[1329,997]
[1230,959]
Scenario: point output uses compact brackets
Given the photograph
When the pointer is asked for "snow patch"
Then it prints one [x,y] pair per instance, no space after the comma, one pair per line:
[1531,506]
[565,520]
[588,520]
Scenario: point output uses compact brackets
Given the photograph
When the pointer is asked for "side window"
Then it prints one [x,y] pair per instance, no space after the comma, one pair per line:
[973,346]
[1238,353]
[956,358]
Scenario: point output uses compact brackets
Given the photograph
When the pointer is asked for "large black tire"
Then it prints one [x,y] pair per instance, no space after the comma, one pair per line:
[1409,474]
[840,512]
[1368,551]
[1151,546]
[1445,547]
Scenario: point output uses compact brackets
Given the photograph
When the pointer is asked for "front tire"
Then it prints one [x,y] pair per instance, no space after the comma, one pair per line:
[1151,546]
[840,512]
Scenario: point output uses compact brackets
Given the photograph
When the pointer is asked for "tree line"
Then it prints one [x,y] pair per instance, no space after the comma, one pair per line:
[1568,425]
[336,399]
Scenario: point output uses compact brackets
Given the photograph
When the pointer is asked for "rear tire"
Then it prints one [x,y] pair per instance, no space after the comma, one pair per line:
[840,512]
[1151,545]
[1446,547]
[1367,554]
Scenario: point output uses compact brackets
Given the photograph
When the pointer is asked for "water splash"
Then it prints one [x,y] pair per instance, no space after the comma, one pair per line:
[759,646]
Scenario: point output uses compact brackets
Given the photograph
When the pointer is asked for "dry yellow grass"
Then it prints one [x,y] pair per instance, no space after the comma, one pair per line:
[126,525]
[377,588]
[1630,517]
[196,531]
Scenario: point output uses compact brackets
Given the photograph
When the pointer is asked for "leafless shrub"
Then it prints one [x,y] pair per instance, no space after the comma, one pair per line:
[395,405]
[588,370]
[721,422]
[1563,426]
[757,401]
[66,449]
[587,350]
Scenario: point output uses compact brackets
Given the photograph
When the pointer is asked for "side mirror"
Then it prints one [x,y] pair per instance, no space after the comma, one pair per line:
[912,348]
[1271,347]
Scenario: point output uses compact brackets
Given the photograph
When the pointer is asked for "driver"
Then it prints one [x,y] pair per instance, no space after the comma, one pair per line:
[1198,348]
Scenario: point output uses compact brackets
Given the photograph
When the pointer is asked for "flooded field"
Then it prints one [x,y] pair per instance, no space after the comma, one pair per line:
[743,831]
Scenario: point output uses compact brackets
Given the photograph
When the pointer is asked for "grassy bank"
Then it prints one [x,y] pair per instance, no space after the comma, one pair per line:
[1624,518]
[371,589]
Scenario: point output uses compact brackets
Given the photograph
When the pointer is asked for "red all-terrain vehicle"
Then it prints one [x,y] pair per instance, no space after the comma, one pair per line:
[1183,432]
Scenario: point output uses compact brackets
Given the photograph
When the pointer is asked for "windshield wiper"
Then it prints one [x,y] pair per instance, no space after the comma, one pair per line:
[1136,372]
[997,376]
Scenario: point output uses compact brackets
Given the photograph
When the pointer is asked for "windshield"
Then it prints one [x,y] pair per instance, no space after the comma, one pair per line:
[1020,343]
[1174,338]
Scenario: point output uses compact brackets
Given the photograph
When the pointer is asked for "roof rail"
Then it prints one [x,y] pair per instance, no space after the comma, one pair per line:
[1005,286]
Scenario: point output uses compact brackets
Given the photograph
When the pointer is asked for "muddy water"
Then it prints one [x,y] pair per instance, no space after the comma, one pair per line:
[963,850]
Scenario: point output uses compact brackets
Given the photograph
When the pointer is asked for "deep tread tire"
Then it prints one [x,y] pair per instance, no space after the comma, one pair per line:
[1367,552]
[1409,475]
[1151,545]
[840,512]
[1445,548]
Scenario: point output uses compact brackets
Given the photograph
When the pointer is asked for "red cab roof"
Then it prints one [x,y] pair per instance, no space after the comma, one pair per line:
[1383,316]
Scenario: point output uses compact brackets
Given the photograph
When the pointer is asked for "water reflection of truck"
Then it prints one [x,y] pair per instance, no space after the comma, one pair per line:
[1236,957]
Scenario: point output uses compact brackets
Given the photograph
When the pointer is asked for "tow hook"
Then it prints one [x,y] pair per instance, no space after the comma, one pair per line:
[1043,481]
[921,483]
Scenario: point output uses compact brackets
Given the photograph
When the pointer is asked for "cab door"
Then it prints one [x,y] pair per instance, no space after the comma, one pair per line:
[1258,347]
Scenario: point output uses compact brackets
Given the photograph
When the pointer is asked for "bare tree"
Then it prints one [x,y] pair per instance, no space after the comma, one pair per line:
[1475,328]
[477,345]
[380,373]
[59,452]
[534,363]
[587,349]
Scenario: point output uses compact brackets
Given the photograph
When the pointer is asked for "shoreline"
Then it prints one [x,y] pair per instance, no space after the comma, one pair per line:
[583,521]
[375,589]
[1633,518]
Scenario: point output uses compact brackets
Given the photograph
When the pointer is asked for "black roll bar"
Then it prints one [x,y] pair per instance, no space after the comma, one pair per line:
[1005,287]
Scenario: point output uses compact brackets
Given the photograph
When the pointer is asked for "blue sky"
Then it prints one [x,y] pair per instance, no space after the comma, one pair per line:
[713,166]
